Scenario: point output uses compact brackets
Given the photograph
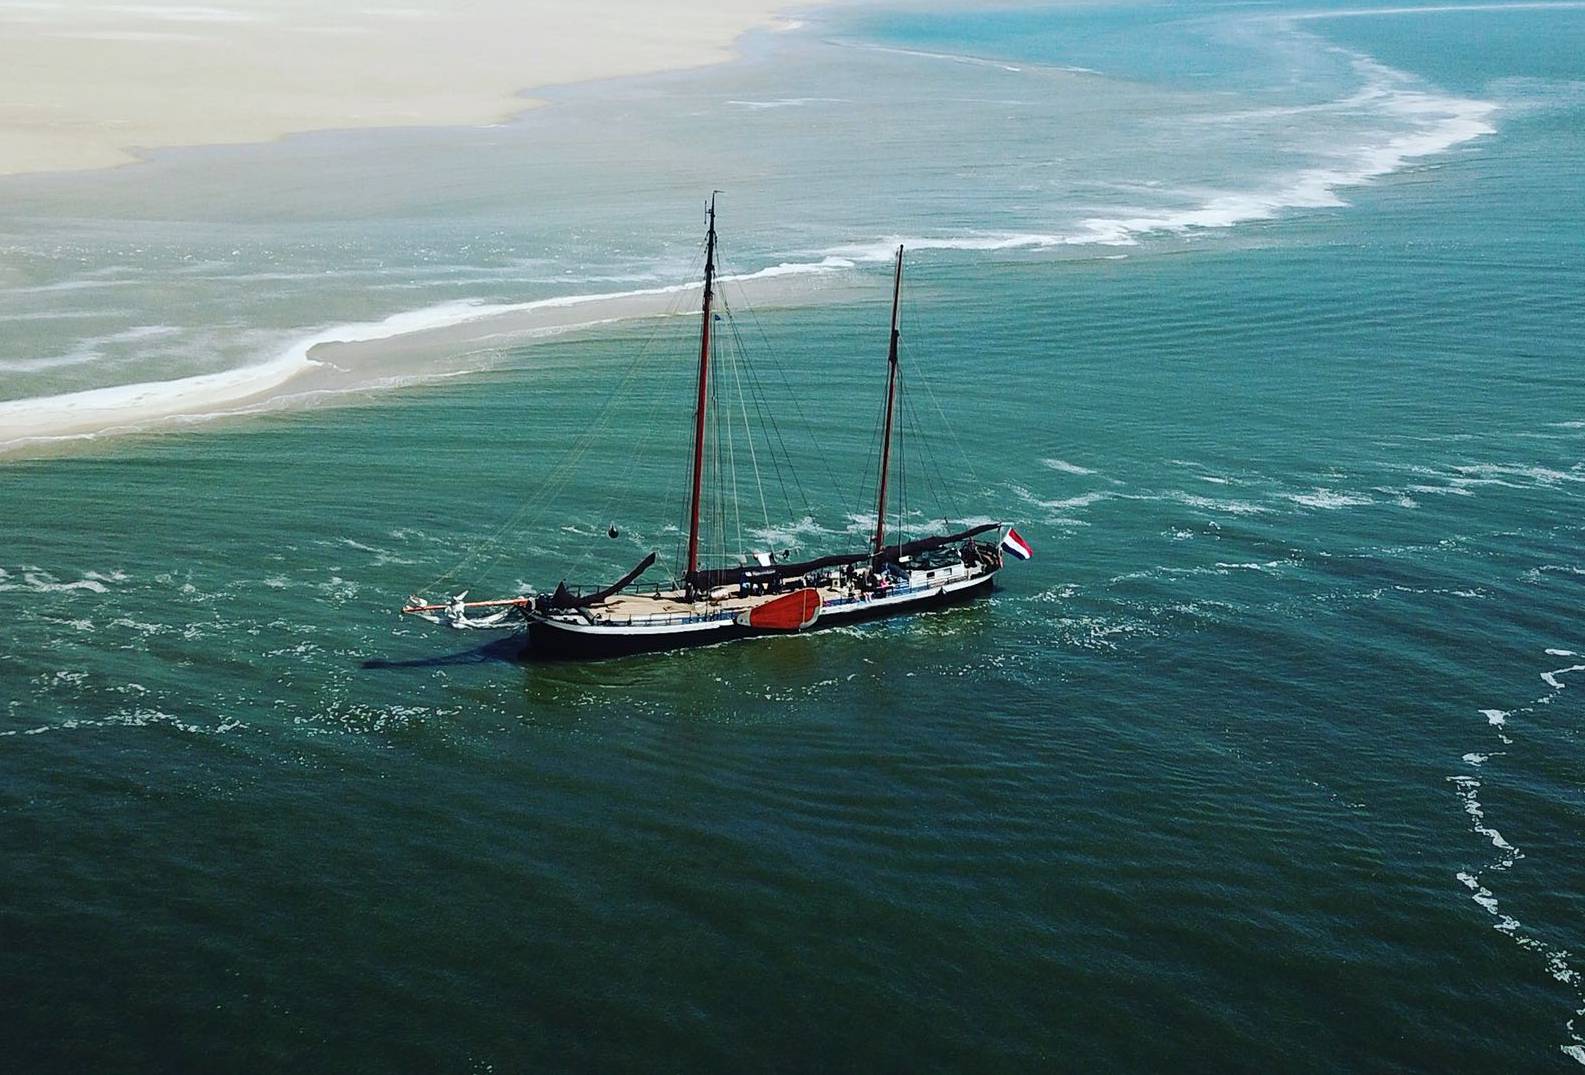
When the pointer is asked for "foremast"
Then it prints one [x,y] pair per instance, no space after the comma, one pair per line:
[891,404]
[699,406]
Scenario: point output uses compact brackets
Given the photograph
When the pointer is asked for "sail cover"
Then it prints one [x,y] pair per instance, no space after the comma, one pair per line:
[734,576]
[909,548]
[565,598]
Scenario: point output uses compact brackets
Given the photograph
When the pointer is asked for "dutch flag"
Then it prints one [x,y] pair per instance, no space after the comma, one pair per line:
[1017,545]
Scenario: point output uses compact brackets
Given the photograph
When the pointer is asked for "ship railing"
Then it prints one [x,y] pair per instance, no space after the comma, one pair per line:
[663,619]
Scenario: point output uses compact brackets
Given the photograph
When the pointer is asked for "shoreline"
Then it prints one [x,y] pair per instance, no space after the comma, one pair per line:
[346,361]
[247,72]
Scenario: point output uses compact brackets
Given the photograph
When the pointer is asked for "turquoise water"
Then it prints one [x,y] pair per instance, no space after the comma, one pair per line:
[1269,760]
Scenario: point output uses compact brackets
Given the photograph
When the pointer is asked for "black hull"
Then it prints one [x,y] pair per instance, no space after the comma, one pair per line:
[551,644]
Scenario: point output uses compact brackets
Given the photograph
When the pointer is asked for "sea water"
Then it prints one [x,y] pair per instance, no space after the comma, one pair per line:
[1263,325]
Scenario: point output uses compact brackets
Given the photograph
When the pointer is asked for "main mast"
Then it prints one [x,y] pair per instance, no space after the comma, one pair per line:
[698,414]
[891,402]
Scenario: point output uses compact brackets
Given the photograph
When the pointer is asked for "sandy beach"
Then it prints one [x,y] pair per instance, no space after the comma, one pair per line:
[91,85]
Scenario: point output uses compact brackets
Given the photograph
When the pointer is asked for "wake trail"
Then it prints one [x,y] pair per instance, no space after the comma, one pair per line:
[1468,787]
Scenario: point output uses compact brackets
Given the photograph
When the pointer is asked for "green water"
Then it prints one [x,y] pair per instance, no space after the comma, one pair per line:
[1269,760]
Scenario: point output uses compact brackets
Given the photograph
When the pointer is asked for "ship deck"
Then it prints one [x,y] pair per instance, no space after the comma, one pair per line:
[669,604]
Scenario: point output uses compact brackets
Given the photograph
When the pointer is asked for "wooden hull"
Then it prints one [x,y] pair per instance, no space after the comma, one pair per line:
[550,640]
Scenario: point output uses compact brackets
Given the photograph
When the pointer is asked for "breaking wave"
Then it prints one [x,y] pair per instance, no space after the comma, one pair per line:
[37,580]
[1430,123]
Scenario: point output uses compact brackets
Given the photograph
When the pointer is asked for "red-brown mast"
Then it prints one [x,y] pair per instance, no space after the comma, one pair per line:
[891,400]
[698,414]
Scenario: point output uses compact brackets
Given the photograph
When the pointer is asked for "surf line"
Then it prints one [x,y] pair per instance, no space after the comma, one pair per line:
[1442,9]
[1468,787]
[267,385]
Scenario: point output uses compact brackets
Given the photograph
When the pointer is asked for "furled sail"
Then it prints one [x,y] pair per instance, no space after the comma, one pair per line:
[565,598]
[909,548]
[735,576]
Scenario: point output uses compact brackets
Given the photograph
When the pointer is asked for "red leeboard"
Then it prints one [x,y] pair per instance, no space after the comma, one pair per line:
[790,612]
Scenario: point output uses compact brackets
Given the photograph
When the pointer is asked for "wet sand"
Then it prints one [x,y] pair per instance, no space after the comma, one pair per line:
[91,85]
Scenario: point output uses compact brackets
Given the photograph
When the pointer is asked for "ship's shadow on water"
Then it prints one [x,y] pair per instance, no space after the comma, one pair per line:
[512,649]
[515,649]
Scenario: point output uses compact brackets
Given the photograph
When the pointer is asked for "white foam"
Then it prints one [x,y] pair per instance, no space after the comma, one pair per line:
[1468,787]
[952,57]
[1441,9]
[102,408]
[95,410]
[1066,467]
[1497,718]
[1083,500]
[1552,679]
[1434,123]
[134,718]
[137,625]
[1557,964]
[1269,567]
[1468,792]
[1328,500]
[1539,474]
[1440,490]
[1561,653]
[886,248]
[87,350]
[37,580]
[784,102]
[1230,507]
[790,535]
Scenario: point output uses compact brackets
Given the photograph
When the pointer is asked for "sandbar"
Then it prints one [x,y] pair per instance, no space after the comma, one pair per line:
[90,84]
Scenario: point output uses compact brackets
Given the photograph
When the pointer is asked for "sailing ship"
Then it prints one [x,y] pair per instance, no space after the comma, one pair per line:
[760,595]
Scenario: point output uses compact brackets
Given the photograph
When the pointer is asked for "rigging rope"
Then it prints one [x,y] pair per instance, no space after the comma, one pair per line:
[749,387]
[946,424]
[936,483]
[748,435]
[554,481]
[825,460]
[768,421]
